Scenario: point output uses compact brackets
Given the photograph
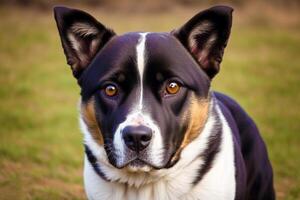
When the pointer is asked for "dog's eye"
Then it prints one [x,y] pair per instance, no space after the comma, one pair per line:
[110,90]
[172,88]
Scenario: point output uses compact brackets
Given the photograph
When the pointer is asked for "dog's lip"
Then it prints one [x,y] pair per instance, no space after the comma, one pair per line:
[134,161]
[139,163]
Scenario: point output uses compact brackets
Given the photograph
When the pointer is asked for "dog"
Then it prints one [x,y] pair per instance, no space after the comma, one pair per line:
[153,129]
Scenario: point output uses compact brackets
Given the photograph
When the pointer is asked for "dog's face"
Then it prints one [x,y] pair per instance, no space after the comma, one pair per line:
[144,95]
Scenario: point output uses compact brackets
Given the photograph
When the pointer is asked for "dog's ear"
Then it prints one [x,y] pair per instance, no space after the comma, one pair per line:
[82,36]
[205,36]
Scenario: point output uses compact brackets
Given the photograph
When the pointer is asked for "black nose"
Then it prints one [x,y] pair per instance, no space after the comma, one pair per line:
[137,138]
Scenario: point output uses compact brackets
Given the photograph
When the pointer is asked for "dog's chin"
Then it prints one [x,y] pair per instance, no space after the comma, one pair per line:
[138,165]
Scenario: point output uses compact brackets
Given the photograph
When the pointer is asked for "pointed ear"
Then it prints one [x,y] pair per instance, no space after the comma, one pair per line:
[205,36]
[82,36]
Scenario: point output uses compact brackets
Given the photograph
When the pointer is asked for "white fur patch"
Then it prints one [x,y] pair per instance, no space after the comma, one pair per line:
[141,57]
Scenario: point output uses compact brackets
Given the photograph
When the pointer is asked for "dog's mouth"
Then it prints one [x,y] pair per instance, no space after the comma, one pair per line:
[136,164]
[139,161]
[139,165]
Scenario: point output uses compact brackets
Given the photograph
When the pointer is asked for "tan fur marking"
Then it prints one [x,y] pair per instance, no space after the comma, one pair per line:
[198,114]
[89,117]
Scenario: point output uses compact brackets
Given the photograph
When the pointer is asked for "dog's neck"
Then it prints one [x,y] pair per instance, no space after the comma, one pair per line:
[205,165]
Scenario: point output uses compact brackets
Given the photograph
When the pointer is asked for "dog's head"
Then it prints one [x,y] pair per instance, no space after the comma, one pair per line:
[144,96]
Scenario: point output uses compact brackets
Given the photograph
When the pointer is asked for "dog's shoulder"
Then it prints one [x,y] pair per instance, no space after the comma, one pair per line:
[248,135]
[234,113]
[254,152]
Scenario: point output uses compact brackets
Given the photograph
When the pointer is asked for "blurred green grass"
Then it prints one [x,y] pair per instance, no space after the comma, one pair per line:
[41,153]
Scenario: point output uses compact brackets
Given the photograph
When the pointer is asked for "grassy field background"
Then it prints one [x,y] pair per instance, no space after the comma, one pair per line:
[41,152]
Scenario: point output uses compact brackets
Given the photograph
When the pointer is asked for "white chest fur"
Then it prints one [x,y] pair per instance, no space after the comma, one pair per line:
[174,183]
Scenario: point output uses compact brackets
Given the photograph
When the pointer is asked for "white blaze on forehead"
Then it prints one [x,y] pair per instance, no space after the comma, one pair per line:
[141,55]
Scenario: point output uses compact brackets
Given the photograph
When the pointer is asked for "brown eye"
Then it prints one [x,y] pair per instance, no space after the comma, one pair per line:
[110,90]
[172,88]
